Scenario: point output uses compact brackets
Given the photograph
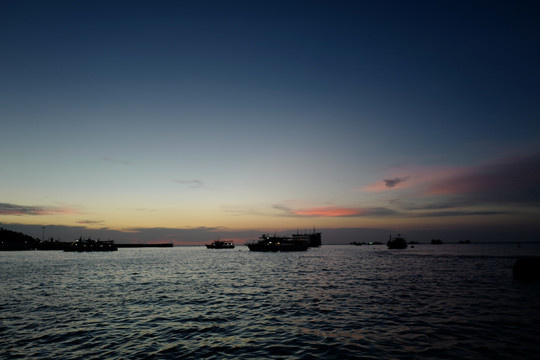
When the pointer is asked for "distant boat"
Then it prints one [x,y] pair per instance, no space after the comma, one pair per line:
[90,245]
[397,242]
[218,244]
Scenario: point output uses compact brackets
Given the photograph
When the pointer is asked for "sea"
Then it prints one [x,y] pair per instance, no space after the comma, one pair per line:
[333,302]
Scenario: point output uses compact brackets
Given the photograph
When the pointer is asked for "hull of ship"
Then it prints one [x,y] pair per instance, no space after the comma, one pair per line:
[220,247]
[397,244]
[276,248]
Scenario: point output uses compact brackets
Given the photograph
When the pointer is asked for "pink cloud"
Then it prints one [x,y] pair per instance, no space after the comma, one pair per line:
[329,211]
[508,180]
[460,182]
[518,176]
[339,211]
[419,178]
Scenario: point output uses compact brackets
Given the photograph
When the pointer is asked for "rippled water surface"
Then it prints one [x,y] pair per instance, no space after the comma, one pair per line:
[447,301]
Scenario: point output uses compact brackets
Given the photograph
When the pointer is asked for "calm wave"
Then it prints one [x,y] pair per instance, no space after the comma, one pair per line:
[361,302]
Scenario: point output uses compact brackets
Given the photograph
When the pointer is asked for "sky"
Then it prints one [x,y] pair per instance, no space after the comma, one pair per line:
[185,121]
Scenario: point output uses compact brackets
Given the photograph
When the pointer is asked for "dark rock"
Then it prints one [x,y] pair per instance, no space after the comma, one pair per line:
[527,269]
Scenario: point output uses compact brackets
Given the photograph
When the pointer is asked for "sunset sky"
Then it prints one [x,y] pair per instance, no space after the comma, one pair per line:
[184,121]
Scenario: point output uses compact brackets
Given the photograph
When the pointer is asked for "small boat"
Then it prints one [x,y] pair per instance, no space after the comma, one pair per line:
[279,243]
[356,243]
[218,244]
[397,242]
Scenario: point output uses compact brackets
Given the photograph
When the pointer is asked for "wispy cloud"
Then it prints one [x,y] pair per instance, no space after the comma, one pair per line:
[21,210]
[90,222]
[459,213]
[193,184]
[390,183]
[336,211]
[116,161]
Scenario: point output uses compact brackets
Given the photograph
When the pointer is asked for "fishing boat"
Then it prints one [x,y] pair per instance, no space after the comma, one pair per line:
[218,244]
[397,242]
[278,243]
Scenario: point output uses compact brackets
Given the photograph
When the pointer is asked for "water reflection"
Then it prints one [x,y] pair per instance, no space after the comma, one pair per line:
[341,301]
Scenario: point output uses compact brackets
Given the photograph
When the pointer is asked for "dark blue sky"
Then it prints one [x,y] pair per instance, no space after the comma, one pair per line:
[281,114]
